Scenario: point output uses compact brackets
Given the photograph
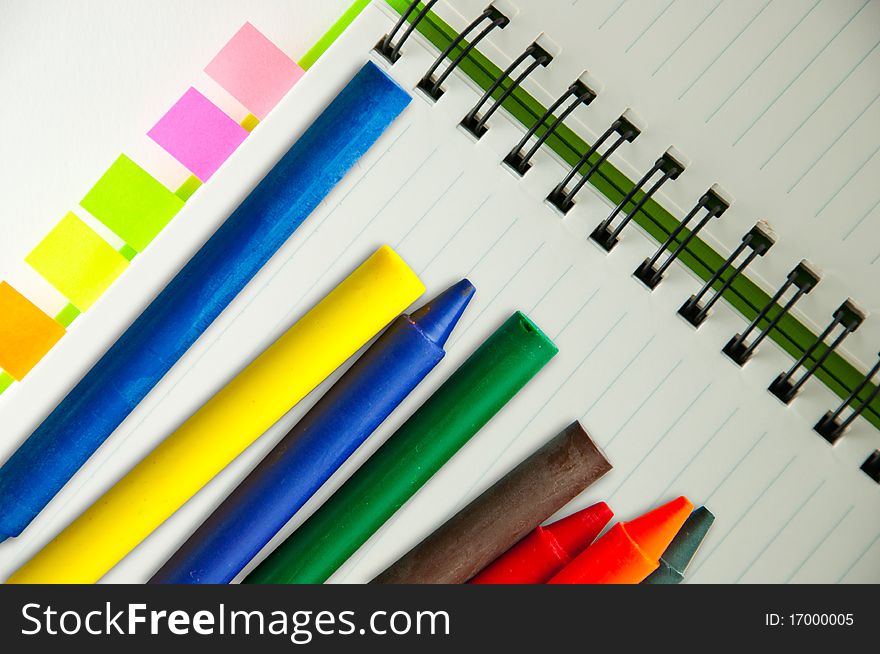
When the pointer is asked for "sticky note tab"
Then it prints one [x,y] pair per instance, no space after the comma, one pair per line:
[76,261]
[198,134]
[6,381]
[131,202]
[67,315]
[129,252]
[249,122]
[190,185]
[254,70]
[26,333]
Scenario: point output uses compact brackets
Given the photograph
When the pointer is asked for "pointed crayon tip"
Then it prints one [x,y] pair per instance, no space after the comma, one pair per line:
[438,317]
[687,541]
[574,533]
[654,531]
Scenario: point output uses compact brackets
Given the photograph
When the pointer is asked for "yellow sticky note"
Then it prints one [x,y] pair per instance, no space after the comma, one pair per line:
[26,333]
[76,261]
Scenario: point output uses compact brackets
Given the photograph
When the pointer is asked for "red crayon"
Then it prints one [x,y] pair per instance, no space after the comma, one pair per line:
[629,551]
[546,550]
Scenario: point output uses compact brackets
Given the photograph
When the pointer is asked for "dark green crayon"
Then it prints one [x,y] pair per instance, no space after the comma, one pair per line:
[681,551]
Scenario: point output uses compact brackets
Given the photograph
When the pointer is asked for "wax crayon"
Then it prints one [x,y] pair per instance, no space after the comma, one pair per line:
[682,549]
[517,503]
[456,411]
[321,442]
[629,551]
[191,301]
[289,369]
[546,550]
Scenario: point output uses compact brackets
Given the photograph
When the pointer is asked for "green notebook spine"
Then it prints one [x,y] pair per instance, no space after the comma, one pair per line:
[811,351]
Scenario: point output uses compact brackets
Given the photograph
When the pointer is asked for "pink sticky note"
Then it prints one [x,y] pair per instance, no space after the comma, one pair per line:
[254,70]
[198,134]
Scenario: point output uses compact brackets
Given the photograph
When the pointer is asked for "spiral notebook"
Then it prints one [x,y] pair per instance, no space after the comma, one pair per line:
[685,394]
[560,192]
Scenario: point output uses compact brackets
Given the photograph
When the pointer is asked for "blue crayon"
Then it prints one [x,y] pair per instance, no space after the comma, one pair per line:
[319,443]
[191,301]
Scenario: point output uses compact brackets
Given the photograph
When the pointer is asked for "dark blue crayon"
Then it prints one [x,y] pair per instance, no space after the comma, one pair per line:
[319,443]
[191,301]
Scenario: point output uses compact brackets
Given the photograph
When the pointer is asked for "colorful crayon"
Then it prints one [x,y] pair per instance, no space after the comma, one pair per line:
[517,503]
[287,371]
[682,549]
[629,551]
[546,550]
[319,443]
[458,409]
[191,301]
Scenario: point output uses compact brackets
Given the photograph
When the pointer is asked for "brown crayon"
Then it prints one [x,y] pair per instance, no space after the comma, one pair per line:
[511,508]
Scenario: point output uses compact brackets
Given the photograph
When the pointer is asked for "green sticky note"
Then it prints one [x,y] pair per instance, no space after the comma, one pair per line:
[132,203]
[310,57]
[76,261]
[67,315]
[189,186]
[5,381]
[128,252]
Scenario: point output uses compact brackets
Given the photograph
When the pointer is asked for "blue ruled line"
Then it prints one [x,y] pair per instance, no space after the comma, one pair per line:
[686,38]
[643,403]
[780,530]
[760,63]
[720,54]
[649,25]
[743,515]
[698,453]
[798,76]
[821,103]
[833,143]
[820,544]
[660,440]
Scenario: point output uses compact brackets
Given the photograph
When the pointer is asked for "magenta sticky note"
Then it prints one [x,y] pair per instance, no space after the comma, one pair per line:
[254,70]
[198,134]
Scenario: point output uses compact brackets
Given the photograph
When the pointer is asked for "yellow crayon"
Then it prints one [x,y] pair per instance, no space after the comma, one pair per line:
[306,354]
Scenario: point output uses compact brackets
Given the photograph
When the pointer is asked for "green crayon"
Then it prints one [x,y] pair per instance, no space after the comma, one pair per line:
[681,551]
[458,409]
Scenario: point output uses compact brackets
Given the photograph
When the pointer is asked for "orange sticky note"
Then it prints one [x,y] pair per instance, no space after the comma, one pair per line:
[26,333]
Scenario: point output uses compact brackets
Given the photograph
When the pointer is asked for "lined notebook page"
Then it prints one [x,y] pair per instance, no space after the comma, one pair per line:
[673,415]
[777,101]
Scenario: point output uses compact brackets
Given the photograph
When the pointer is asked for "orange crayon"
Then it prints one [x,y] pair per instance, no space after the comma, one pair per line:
[629,551]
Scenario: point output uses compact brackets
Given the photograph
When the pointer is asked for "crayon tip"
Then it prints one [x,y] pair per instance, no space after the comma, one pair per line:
[438,317]
[687,541]
[574,533]
[654,531]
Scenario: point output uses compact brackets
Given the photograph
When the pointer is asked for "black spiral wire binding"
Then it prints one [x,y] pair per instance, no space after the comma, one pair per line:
[871,466]
[804,280]
[714,206]
[392,52]
[626,133]
[848,317]
[607,237]
[758,241]
[433,86]
[475,124]
[830,426]
[579,94]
